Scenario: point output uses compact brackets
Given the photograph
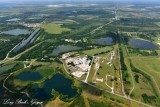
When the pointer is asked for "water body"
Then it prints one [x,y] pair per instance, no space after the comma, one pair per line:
[103,41]
[60,22]
[32,18]
[16,32]
[13,20]
[2,16]
[42,94]
[30,76]
[26,41]
[64,48]
[59,83]
[141,44]
[2,91]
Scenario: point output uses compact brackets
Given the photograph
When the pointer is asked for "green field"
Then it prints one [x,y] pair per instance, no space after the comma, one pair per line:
[11,67]
[146,86]
[97,50]
[157,23]
[149,66]
[142,86]
[54,28]
[110,73]
[6,67]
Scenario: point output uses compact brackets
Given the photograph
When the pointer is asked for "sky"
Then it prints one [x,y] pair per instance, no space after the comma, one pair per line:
[126,1]
[81,0]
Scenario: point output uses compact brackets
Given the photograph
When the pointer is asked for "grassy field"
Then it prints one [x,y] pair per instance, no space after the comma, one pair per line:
[57,103]
[146,87]
[157,23]
[6,67]
[54,28]
[107,72]
[97,50]
[87,100]
[142,86]
[150,66]
[91,74]
[11,67]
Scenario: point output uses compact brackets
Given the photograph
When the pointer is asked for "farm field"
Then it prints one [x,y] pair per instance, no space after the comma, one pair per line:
[97,51]
[54,28]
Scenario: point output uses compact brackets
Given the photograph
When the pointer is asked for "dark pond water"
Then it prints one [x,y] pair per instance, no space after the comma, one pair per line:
[16,32]
[141,44]
[64,48]
[2,90]
[59,83]
[30,76]
[42,94]
[103,41]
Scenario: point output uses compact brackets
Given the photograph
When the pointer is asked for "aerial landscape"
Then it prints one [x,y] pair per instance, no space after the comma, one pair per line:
[79,53]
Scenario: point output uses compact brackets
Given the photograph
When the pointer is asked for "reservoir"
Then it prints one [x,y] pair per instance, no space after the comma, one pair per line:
[141,44]
[16,32]
[24,42]
[29,76]
[103,41]
[13,20]
[59,83]
[64,48]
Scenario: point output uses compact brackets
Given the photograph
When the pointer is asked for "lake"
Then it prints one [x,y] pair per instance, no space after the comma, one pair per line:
[30,76]
[59,83]
[103,41]
[2,91]
[13,20]
[41,93]
[60,22]
[26,41]
[64,48]
[2,16]
[16,32]
[141,44]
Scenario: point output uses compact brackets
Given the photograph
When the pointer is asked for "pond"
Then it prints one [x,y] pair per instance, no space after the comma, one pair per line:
[13,20]
[16,32]
[26,41]
[2,91]
[104,41]
[59,83]
[33,18]
[64,48]
[141,44]
[2,16]
[30,76]
[41,94]
[60,22]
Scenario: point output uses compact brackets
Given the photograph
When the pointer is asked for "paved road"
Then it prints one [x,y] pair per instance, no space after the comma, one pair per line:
[89,69]
[19,55]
